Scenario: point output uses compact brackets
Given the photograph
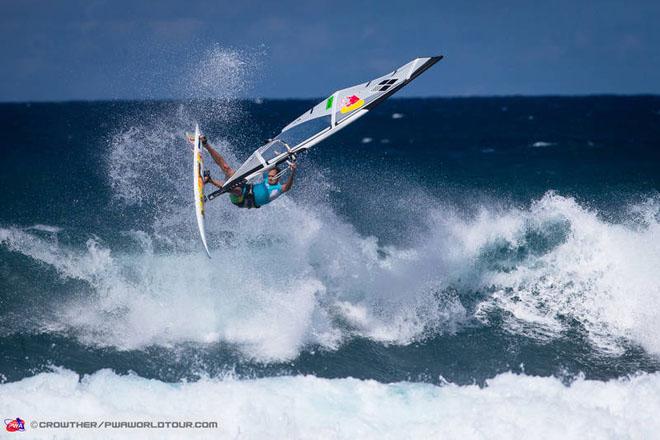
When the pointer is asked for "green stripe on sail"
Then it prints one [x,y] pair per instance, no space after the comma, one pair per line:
[328,103]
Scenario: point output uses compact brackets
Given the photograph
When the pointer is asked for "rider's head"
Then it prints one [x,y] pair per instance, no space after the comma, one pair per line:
[272,176]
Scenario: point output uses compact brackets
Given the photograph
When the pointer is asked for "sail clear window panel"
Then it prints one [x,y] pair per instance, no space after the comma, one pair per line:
[272,150]
[303,131]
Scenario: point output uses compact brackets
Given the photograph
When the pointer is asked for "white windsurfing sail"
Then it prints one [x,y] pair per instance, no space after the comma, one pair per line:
[325,119]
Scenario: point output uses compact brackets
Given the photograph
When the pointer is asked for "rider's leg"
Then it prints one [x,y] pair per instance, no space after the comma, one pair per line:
[224,166]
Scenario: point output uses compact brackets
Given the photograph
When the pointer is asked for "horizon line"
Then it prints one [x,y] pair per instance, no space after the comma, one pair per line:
[263,99]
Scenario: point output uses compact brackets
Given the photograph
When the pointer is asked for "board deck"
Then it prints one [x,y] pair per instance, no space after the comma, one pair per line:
[198,181]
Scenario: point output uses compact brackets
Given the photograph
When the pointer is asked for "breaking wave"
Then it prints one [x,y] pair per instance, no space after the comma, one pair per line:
[271,291]
[306,407]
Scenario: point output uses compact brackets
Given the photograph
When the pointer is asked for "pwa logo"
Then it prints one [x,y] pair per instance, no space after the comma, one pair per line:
[14,425]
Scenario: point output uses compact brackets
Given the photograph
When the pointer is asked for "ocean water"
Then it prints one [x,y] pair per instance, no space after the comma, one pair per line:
[443,268]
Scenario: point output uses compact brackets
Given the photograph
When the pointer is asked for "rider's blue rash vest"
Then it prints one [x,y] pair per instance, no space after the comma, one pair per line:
[265,193]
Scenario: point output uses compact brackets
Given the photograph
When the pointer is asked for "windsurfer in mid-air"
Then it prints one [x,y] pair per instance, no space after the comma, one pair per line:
[249,195]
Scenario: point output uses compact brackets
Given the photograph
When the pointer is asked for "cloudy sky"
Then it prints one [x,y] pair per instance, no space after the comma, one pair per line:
[116,49]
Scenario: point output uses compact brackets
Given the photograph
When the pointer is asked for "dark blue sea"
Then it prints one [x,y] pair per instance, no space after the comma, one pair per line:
[442,268]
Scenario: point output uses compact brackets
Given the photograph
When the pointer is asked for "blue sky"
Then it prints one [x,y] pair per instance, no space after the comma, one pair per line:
[105,49]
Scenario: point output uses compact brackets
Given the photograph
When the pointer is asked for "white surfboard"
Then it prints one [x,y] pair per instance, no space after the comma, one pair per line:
[198,180]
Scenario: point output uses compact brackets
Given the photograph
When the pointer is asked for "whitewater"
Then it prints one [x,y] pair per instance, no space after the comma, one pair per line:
[306,407]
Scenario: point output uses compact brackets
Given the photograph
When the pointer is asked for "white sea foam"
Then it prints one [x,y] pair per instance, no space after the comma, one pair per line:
[46,228]
[602,275]
[542,144]
[322,291]
[220,73]
[307,407]
[153,298]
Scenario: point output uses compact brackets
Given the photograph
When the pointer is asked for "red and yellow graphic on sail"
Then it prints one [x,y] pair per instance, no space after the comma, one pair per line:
[350,103]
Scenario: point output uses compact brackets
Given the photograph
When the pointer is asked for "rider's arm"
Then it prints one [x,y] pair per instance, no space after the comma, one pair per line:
[289,182]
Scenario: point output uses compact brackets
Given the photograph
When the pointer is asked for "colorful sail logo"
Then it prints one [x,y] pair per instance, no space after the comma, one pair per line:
[350,103]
